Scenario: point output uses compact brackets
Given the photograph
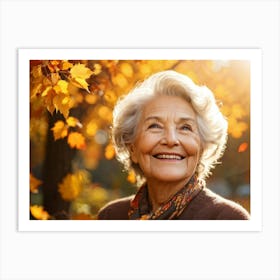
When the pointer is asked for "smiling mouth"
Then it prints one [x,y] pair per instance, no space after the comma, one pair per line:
[169,156]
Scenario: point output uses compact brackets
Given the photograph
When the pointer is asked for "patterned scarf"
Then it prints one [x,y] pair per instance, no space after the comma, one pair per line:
[140,208]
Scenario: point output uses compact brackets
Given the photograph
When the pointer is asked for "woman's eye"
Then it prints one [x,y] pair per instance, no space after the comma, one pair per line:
[154,125]
[186,127]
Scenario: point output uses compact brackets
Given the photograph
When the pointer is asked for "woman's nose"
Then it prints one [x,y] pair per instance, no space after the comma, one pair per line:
[170,138]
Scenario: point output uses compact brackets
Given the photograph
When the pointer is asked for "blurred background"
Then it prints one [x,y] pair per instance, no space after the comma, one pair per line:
[73,170]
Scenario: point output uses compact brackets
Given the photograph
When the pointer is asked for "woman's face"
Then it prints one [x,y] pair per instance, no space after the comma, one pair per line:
[167,145]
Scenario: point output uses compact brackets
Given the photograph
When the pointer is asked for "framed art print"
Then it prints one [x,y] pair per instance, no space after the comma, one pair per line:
[67,162]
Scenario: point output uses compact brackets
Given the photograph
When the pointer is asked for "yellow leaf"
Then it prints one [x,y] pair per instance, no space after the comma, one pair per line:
[48,96]
[66,65]
[60,130]
[76,140]
[61,87]
[34,184]
[39,213]
[80,83]
[35,89]
[72,122]
[63,104]
[72,185]
[79,74]
[65,100]
[46,91]
[80,71]
[69,188]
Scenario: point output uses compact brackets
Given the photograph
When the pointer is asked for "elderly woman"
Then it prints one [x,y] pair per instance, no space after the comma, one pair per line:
[170,132]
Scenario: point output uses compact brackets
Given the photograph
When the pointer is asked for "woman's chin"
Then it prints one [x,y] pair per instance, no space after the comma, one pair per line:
[169,177]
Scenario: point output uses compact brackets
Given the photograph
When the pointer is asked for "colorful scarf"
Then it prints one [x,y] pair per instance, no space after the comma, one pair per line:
[140,208]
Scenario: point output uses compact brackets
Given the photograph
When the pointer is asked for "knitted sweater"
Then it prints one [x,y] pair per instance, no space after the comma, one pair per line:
[207,205]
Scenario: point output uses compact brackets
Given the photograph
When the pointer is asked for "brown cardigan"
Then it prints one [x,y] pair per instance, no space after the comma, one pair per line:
[207,205]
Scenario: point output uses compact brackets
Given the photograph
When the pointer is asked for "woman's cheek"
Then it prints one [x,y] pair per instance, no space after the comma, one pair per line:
[192,146]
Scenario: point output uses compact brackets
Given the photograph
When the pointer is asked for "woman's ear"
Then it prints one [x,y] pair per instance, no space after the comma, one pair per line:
[133,154]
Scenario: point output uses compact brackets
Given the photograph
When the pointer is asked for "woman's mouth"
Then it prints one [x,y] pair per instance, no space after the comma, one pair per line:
[168,156]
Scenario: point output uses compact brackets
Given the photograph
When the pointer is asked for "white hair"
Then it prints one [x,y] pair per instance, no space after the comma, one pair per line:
[212,126]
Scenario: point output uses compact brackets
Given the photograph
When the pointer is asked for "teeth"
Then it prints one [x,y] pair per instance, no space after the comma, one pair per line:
[163,156]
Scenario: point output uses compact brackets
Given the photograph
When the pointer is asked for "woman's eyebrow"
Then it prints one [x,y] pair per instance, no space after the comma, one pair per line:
[186,119]
[153,118]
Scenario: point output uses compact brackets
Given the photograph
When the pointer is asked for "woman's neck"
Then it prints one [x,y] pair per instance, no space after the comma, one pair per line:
[159,193]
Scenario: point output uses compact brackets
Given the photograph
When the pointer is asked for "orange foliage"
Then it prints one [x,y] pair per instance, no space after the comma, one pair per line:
[39,213]
[72,185]
[242,147]
[76,140]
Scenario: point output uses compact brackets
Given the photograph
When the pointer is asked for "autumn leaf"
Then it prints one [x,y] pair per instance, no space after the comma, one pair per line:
[72,122]
[72,185]
[80,83]
[48,95]
[63,104]
[79,74]
[76,140]
[242,147]
[34,184]
[53,65]
[66,65]
[35,89]
[39,213]
[80,71]
[60,130]
[61,87]
[46,91]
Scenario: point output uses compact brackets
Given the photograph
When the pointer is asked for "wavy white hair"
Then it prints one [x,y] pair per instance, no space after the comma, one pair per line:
[212,125]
